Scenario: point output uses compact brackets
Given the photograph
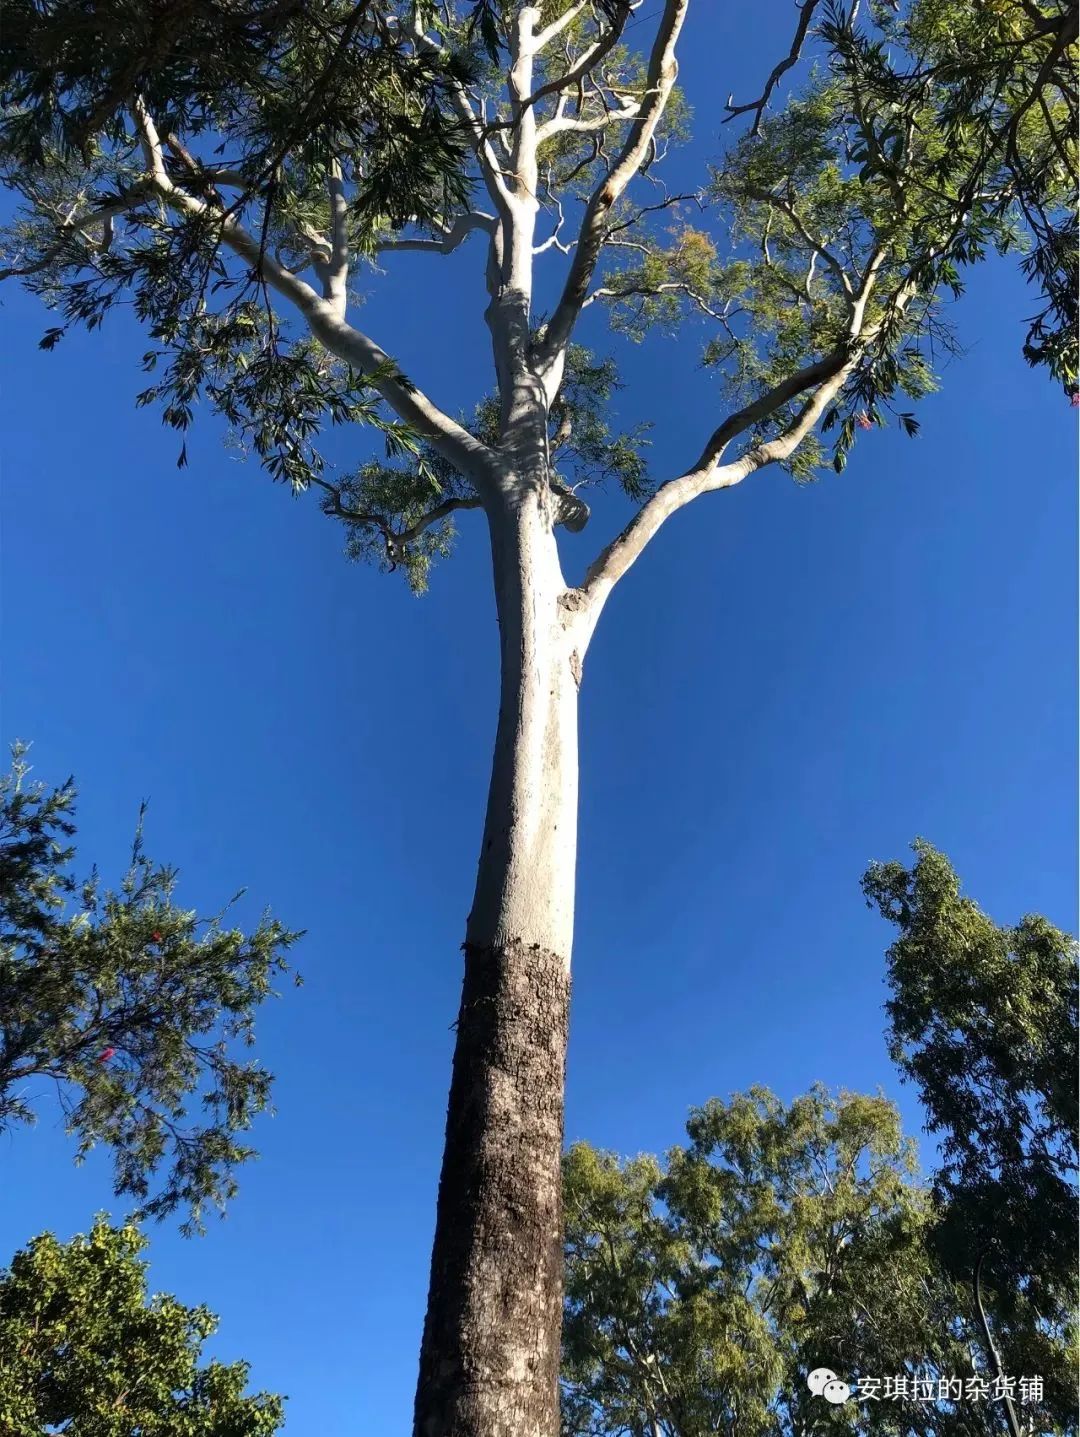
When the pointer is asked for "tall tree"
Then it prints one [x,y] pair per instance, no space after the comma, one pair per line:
[983,1020]
[702,1291]
[234,204]
[85,1351]
[135,1011]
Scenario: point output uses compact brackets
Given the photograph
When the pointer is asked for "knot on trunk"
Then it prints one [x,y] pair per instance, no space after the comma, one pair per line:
[566,508]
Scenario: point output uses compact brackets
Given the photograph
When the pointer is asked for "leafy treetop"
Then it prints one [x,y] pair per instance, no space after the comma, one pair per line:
[83,1350]
[983,1020]
[701,1291]
[236,170]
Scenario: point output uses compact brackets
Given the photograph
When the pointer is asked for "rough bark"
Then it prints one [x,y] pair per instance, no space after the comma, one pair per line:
[490,1355]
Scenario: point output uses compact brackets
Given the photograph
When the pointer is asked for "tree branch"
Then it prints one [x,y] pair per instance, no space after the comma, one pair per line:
[585,64]
[825,377]
[560,124]
[490,170]
[395,540]
[707,475]
[451,238]
[662,72]
[82,225]
[647,291]
[569,15]
[447,437]
[337,274]
[806,14]
[788,210]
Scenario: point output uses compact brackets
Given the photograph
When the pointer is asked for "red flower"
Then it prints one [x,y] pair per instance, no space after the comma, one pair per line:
[156,937]
[108,1053]
[863,420]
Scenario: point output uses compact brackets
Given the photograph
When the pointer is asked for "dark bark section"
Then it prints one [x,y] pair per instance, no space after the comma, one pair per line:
[489,1363]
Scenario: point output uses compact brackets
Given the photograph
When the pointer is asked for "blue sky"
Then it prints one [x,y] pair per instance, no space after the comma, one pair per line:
[791,682]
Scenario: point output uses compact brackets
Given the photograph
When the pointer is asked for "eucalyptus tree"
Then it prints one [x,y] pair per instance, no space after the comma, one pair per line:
[235,182]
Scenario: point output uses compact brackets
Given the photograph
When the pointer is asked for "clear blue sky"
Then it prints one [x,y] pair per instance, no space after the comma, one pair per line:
[792,682]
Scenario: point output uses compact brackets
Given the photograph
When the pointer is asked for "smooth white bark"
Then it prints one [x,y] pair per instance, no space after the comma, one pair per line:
[525,884]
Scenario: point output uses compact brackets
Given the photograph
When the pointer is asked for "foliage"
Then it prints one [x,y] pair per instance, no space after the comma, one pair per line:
[284,83]
[136,1010]
[83,1350]
[700,1292]
[1004,80]
[983,1020]
[196,160]
[283,87]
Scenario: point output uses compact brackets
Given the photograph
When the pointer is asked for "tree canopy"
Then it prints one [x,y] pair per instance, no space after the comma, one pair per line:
[136,1011]
[235,170]
[983,1021]
[701,1291]
[85,1351]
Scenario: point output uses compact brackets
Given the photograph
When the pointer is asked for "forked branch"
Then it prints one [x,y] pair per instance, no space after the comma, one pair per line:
[822,381]
[757,107]
[326,322]
[396,541]
[660,81]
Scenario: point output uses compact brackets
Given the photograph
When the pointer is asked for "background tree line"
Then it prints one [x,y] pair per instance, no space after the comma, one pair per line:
[700,1289]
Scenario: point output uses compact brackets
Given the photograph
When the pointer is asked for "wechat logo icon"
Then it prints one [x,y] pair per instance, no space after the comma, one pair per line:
[823,1382]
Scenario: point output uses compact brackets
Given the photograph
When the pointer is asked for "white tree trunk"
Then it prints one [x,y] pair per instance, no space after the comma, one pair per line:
[490,1357]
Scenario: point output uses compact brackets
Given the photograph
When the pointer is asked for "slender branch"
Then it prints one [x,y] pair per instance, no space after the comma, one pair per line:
[449,240]
[787,208]
[440,511]
[824,378]
[707,475]
[647,291]
[569,15]
[579,71]
[661,79]
[995,1360]
[446,436]
[553,240]
[559,125]
[490,169]
[806,14]
[585,64]
[82,225]
[640,213]
[395,540]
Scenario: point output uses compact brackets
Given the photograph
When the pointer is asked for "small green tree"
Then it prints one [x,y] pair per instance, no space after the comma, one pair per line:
[983,1020]
[701,1292]
[84,1351]
[137,1011]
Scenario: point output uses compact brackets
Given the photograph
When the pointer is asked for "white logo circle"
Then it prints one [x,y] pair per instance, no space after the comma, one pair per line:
[836,1392]
[818,1378]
